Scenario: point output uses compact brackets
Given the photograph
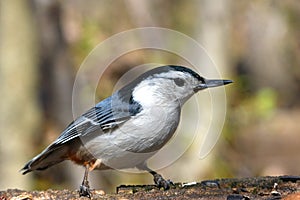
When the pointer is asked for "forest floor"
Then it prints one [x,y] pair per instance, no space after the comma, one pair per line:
[281,187]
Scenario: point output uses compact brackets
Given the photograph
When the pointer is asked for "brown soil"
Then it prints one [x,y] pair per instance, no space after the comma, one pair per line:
[282,187]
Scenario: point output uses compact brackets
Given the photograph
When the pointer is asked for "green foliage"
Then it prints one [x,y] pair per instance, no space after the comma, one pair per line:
[264,103]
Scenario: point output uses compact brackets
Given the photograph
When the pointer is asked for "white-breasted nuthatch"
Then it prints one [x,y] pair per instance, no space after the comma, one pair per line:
[127,128]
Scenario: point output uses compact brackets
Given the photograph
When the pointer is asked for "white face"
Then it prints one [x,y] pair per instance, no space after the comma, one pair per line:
[165,88]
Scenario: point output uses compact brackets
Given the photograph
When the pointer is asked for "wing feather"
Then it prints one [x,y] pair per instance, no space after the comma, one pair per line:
[103,117]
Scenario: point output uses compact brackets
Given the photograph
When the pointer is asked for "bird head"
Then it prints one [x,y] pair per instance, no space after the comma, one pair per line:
[167,84]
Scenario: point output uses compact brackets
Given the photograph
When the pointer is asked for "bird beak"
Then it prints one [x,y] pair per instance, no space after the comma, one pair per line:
[209,83]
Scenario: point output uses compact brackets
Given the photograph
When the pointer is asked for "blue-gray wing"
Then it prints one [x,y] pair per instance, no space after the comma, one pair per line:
[105,116]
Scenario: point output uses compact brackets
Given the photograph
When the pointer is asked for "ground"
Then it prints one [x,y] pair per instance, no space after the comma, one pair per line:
[282,187]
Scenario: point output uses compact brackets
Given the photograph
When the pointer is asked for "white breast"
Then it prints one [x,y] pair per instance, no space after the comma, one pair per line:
[137,139]
[140,137]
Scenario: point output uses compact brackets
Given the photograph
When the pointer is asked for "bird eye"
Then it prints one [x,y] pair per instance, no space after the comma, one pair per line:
[179,82]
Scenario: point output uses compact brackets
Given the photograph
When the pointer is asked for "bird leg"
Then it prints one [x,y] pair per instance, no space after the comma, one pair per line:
[158,179]
[84,190]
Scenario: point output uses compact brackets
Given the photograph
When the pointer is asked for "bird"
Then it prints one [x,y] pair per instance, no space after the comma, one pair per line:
[127,128]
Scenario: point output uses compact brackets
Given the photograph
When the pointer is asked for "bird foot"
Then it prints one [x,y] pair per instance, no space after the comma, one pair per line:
[161,182]
[84,190]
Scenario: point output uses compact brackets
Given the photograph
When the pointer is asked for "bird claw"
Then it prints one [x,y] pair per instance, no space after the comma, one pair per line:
[161,182]
[84,191]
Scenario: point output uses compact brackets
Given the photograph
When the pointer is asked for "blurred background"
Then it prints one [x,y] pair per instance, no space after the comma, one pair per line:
[254,43]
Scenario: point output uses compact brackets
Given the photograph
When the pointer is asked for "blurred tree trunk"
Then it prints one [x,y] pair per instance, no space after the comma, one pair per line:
[56,88]
[212,33]
[19,110]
